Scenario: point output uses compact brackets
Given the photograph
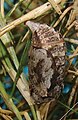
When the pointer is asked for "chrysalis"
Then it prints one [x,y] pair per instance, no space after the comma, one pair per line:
[46,62]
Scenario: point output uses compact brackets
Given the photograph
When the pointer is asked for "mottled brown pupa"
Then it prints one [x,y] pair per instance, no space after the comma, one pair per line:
[46,62]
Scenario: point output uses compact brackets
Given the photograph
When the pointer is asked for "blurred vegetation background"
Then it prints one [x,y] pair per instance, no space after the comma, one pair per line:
[15,39]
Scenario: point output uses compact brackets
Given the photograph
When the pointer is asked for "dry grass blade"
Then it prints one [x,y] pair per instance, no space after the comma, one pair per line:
[62,15]
[22,86]
[7,41]
[68,111]
[31,15]
[71,41]
[15,7]
[5,117]
[69,28]
[26,116]
[44,110]
[73,92]
[9,102]
[73,13]
[55,6]
[71,98]
[70,61]
[5,111]
[38,114]
[72,56]
[2,7]
[73,72]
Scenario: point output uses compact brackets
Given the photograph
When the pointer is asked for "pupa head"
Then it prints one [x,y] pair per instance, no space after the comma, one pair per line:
[44,36]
